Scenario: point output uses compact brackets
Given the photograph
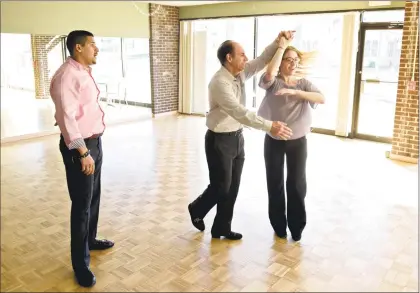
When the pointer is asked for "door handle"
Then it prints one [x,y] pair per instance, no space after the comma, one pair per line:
[372,81]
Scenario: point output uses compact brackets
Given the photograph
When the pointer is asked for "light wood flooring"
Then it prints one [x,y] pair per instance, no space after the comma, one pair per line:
[362,231]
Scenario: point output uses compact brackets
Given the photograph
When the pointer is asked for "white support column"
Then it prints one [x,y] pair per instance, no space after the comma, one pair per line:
[186,52]
[199,78]
[347,73]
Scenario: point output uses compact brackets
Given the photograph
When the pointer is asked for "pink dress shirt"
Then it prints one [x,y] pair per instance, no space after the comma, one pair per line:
[76,98]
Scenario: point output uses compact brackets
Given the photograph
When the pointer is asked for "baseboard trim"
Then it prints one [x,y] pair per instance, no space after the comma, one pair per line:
[31,136]
[192,114]
[165,114]
[403,159]
[117,102]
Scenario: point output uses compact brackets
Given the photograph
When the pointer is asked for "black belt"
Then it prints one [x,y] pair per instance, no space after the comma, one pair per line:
[237,132]
[94,136]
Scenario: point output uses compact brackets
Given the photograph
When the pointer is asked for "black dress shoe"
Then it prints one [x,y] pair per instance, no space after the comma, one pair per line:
[231,235]
[296,238]
[100,244]
[85,278]
[197,222]
[281,235]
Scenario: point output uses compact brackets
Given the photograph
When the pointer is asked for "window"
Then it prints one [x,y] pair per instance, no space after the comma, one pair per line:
[17,65]
[122,71]
[137,70]
[381,54]
[383,16]
[371,49]
[107,71]
[208,35]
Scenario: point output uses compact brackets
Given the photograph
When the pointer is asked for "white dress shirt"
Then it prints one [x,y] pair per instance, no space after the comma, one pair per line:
[227,97]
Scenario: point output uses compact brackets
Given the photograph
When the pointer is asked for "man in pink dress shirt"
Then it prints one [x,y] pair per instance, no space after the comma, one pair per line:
[81,121]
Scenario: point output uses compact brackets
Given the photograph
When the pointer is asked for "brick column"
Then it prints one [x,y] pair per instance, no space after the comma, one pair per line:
[164,57]
[41,45]
[405,142]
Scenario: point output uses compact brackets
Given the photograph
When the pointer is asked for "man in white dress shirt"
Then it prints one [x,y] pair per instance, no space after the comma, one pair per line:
[224,142]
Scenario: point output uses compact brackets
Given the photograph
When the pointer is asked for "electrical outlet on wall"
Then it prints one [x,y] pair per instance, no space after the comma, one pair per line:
[411,85]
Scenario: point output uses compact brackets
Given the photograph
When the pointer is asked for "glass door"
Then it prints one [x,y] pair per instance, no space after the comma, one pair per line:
[377,82]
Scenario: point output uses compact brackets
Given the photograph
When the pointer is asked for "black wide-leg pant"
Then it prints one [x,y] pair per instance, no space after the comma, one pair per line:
[295,154]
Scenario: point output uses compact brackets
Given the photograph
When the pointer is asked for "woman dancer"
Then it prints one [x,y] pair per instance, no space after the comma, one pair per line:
[288,98]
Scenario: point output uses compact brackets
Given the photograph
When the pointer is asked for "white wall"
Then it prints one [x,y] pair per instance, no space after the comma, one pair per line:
[106,19]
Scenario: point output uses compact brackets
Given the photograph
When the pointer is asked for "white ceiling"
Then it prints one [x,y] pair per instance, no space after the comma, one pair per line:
[188,3]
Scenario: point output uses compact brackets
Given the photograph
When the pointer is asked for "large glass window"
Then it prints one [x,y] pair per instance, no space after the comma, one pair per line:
[108,71]
[315,32]
[215,32]
[122,71]
[17,63]
[137,70]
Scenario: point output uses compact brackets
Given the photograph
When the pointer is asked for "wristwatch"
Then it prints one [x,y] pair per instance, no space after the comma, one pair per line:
[84,155]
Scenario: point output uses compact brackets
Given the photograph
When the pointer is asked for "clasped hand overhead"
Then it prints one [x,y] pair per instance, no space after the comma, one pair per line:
[279,129]
[285,38]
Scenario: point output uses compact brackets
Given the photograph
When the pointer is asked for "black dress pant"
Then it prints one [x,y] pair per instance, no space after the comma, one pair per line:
[295,152]
[85,194]
[225,158]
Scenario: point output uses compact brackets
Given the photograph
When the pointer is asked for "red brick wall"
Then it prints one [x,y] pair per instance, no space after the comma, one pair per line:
[164,58]
[41,46]
[406,124]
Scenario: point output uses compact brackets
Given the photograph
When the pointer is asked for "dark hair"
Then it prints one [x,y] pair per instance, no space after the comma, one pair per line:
[76,37]
[225,48]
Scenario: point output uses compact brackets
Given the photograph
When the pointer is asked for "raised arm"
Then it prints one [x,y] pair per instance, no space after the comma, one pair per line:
[65,96]
[273,67]
[268,77]
[254,66]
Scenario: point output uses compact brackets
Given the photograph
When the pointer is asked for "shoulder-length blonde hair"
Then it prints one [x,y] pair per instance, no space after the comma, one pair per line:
[307,59]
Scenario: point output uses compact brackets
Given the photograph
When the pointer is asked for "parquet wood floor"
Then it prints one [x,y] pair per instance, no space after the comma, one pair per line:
[362,232]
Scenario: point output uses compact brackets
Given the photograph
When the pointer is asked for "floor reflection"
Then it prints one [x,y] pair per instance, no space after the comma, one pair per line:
[22,114]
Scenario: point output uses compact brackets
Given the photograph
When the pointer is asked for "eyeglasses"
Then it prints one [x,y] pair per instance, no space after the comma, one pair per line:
[290,60]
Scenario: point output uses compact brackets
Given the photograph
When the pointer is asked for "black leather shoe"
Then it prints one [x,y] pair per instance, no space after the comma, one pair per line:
[197,222]
[281,235]
[100,244]
[85,278]
[231,235]
[296,238]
